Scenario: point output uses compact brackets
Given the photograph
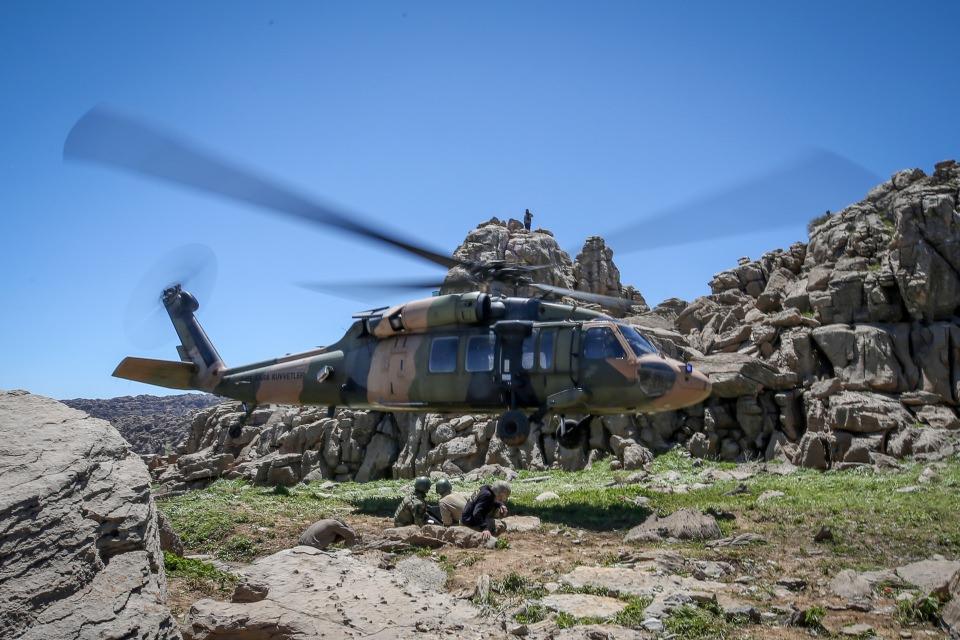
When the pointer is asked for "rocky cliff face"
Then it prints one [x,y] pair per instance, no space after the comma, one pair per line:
[840,351]
[79,551]
[151,424]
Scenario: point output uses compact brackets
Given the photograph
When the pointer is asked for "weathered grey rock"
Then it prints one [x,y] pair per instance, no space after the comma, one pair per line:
[950,614]
[636,456]
[814,451]
[423,572]
[169,540]
[685,524]
[932,576]
[734,374]
[370,602]
[581,605]
[80,551]
[521,524]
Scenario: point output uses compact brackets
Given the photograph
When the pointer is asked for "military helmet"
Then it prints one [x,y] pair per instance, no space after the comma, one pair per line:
[444,487]
[422,484]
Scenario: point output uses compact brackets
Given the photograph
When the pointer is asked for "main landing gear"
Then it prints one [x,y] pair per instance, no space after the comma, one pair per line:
[572,434]
[237,429]
[513,427]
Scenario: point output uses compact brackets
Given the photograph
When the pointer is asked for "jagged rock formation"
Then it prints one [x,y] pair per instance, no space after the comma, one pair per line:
[79,552]
[841,351]
[151,424]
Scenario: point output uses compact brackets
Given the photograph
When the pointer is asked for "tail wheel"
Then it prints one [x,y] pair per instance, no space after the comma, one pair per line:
[570,435]
[513,427]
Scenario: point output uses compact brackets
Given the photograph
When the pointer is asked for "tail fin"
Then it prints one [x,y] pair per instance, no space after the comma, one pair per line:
[163,373]
[195,347]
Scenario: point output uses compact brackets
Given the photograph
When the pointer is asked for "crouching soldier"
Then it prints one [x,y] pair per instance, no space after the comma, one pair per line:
[323,533]
[413,507]
[450,507]
[487,504]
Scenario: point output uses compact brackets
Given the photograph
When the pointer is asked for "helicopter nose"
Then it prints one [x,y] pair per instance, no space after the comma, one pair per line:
[689,387]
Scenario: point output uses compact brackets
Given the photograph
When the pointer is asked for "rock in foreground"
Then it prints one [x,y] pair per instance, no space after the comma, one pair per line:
[317,594]
[80,553]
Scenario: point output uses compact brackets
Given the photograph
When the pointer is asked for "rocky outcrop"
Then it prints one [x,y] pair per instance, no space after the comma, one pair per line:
[307,593]
[151,424]
[80,551]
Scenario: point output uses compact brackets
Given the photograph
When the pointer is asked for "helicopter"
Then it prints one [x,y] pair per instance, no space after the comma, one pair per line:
[522,358]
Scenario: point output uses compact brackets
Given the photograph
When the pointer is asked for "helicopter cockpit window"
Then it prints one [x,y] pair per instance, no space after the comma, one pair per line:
[529,345]
[600,343]
[547,338]
[640,345]
[480,353]
[443,355]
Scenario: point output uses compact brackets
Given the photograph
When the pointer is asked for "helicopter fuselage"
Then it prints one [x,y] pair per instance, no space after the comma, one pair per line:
[469,352]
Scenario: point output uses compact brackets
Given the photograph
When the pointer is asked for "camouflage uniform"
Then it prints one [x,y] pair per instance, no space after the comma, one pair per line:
[412,510]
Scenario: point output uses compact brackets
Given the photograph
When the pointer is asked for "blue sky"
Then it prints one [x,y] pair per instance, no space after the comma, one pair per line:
[429,117]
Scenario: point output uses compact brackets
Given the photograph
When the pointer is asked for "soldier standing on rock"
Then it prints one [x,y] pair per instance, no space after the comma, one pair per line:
[527,220]
[413,507]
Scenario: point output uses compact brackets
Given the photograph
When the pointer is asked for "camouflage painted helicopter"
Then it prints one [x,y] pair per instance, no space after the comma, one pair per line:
[477,352]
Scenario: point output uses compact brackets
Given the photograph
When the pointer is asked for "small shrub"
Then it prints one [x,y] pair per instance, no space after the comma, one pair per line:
[502,543]
[199,576]
[632,615]
[531,614]
[281,490]
[239,548]
[816,222]
[811,618]
[515,584]
[923,609]
[696,622]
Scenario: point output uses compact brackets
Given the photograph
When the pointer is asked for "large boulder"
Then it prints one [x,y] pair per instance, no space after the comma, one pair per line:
[80,551]
[307,593]
[685,524]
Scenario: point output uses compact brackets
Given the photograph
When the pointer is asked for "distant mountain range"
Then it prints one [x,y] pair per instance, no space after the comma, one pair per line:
[151,424]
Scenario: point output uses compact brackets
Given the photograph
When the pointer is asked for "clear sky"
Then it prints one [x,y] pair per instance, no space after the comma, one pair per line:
[428,117]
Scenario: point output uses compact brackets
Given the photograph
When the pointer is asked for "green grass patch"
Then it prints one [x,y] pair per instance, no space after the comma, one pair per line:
[920,610]
[697,622]
[565,620]
[514,584]
[531,614]
[632,615]
[199,576]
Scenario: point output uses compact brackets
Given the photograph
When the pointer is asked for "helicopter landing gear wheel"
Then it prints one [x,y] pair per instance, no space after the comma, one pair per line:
[513,427]
[572,434]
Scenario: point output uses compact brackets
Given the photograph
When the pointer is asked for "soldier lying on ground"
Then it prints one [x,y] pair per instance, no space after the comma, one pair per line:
[323,533]
[413,507]
[451,504]
[487,504]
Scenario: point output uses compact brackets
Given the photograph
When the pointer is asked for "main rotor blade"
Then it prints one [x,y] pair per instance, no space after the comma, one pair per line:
[108,138]
[791,194]
[381,286]
[609,302]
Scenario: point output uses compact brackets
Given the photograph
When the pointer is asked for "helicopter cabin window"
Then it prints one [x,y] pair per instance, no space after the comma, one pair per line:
[600,343]
[480,353]
[547,338]
[443,355]
[640,345]
[529,348]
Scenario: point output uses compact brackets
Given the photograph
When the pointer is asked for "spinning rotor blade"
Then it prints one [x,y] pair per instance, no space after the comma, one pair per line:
[108,138]
[609,302]
[791,194]
[356,290]
[145,321]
